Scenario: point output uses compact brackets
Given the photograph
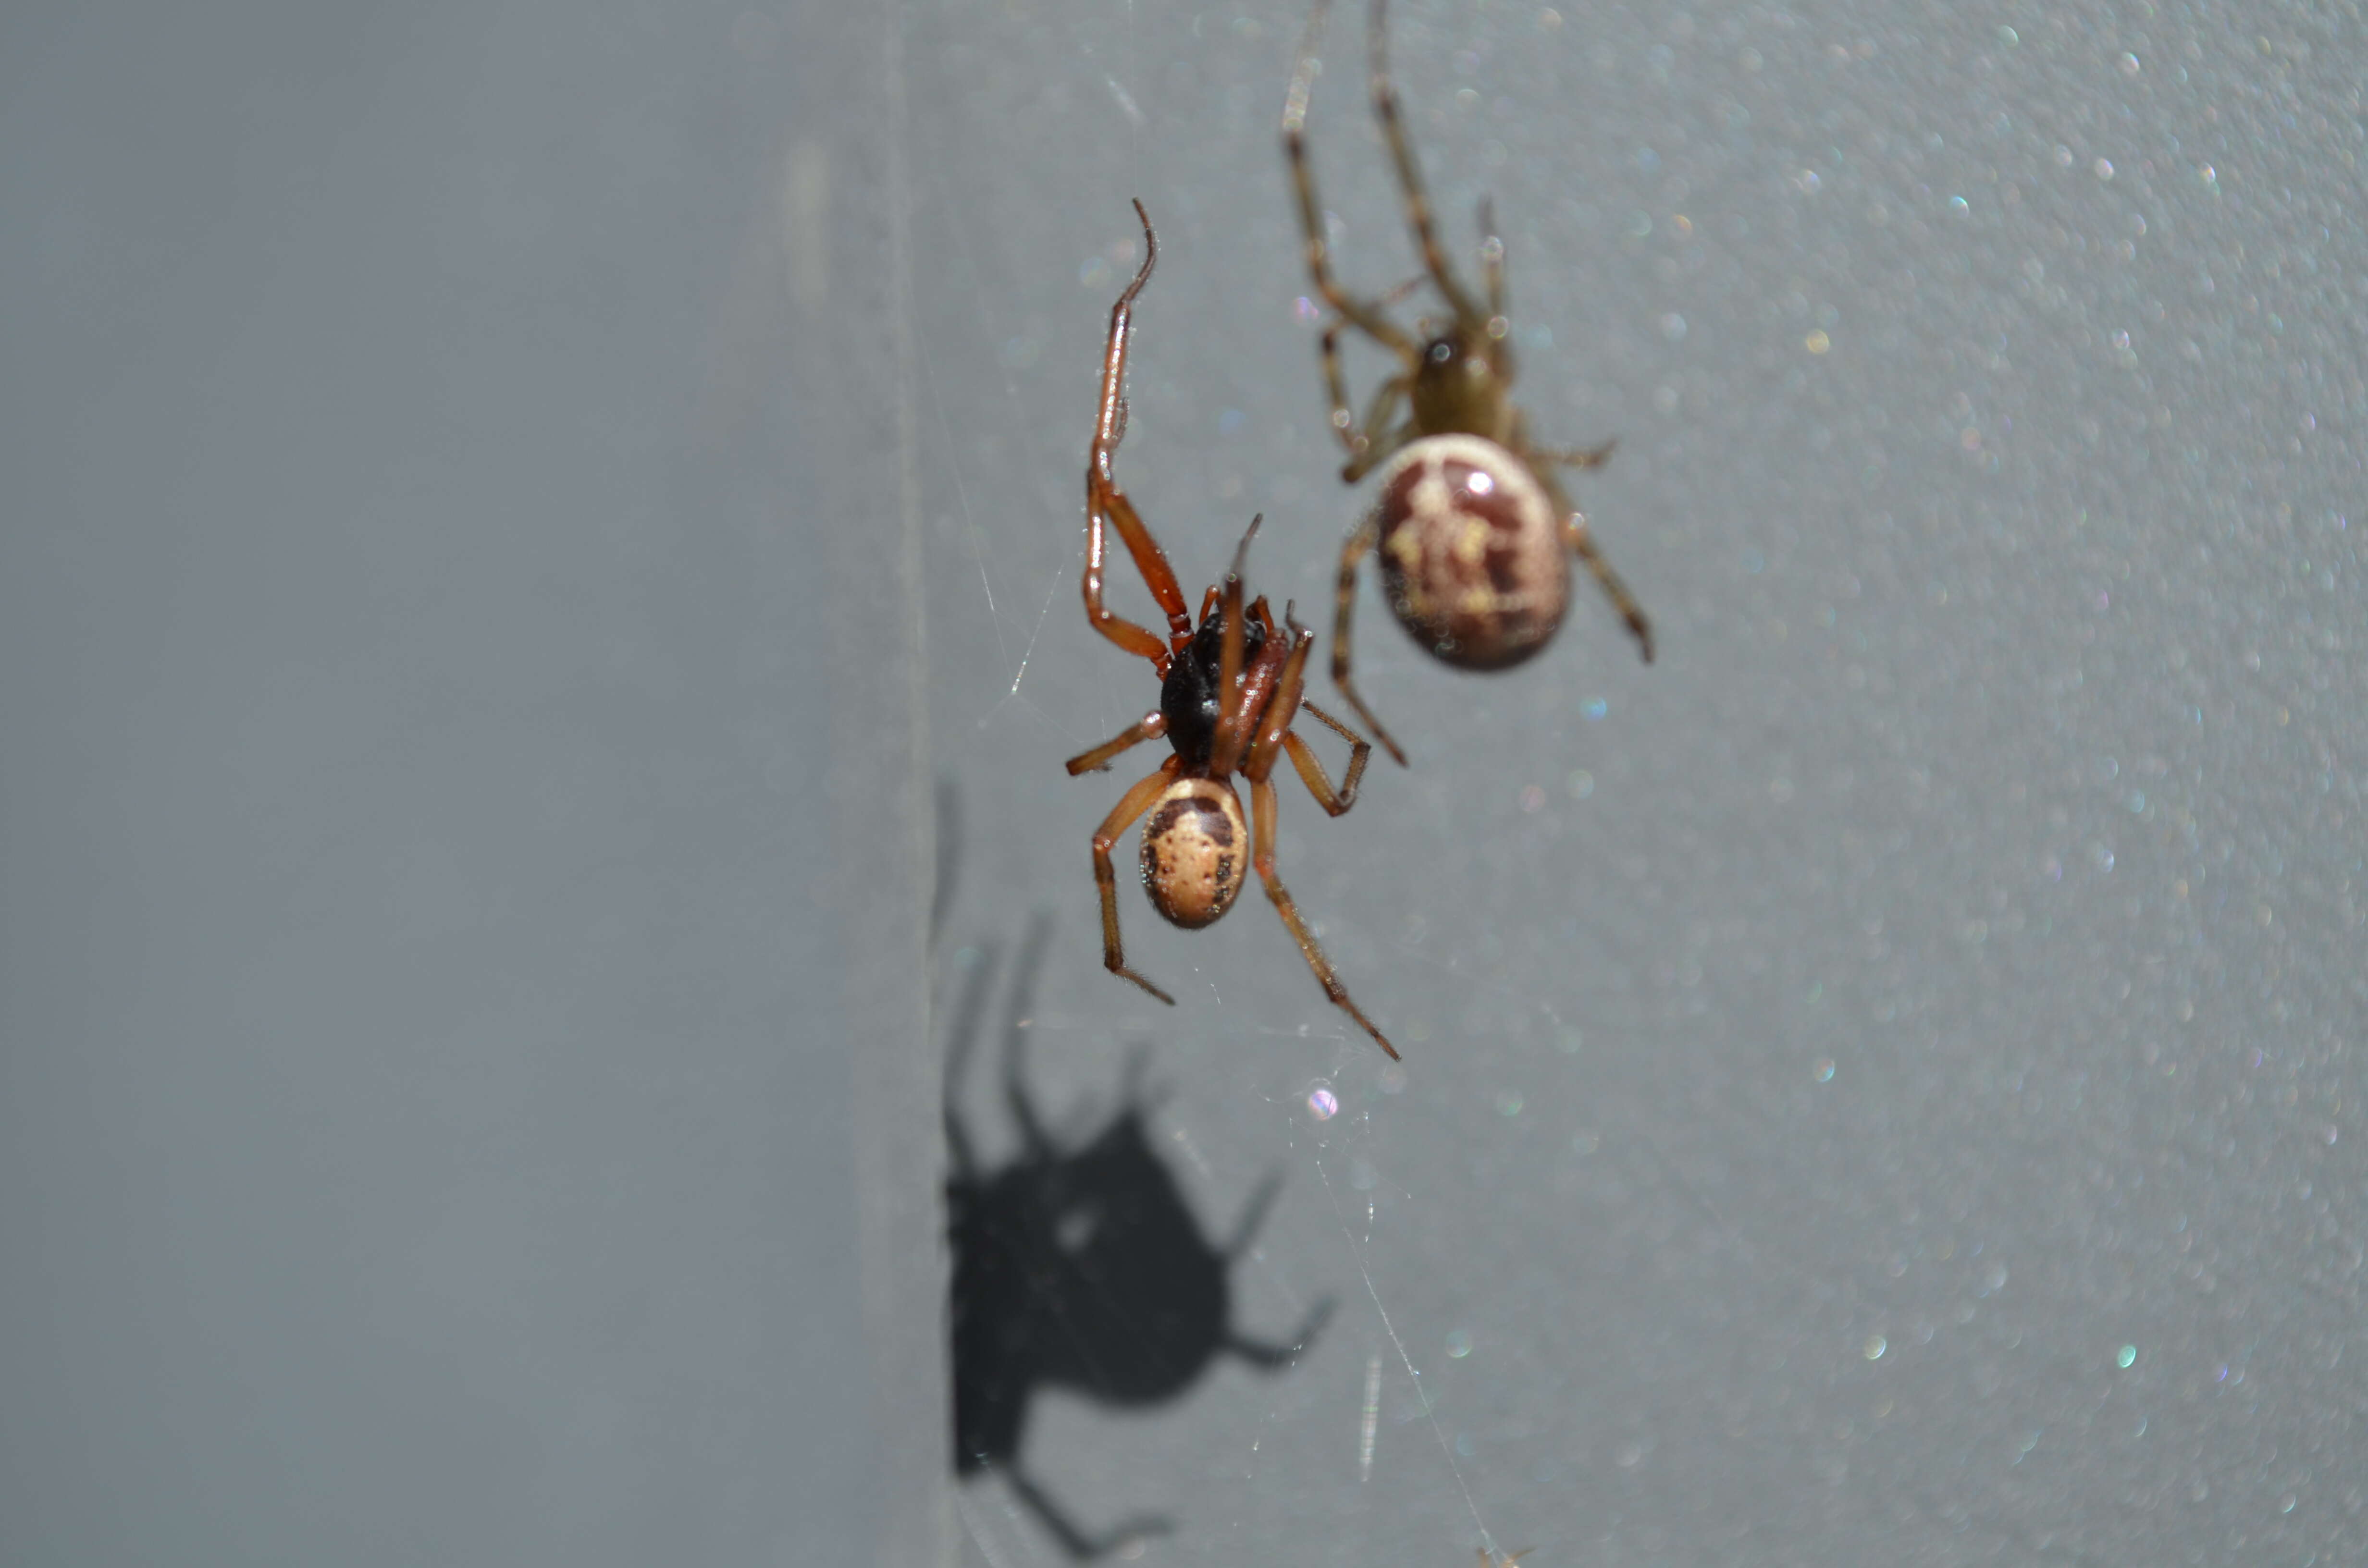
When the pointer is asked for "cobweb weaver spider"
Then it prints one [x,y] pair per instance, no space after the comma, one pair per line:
[1473,529]
[1228,693]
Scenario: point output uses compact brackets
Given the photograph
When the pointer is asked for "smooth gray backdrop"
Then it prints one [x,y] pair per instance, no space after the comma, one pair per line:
[510,508]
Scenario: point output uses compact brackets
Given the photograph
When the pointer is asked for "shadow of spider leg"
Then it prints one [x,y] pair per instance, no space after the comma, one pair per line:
[1077,1264]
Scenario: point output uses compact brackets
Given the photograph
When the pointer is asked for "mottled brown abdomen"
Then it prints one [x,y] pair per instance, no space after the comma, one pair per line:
[1472,553]
[1196,850]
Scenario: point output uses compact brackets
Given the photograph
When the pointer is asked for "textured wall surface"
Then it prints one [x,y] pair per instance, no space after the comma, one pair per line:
[1881,1085]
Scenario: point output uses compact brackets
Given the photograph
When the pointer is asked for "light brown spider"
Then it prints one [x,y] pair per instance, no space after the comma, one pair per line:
[1474,531]
[1228,694]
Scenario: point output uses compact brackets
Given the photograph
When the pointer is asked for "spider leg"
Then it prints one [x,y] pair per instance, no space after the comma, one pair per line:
[1311,766]
[1132,804]
[1573,457]
[1582,544]
[1274,722]
[1361,539]
[1227,750]
[1262,830]
[1274,1358]
[1151,726]
[1355,436]
[1280,738]
[1375,453]
[1417,205]
[1366,318]
[1492,259]
[1105,501]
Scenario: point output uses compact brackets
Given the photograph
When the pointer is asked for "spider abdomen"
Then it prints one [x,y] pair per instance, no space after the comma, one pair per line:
[1196,851]
[1472,552]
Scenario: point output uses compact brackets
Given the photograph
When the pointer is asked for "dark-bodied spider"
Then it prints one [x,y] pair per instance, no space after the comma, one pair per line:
[1473,529]
[1228,693]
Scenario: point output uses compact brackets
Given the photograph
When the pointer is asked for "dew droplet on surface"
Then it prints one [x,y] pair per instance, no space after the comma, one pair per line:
[1459,1345]
[1825,1070]
[2126,1357]
[1322,1103]
[1874,1348]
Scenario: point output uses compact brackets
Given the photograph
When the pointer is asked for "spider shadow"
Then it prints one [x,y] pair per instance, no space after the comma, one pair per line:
[1077,1266]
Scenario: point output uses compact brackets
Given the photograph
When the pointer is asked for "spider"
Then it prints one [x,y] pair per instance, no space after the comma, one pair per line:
[1228,692]
[1473,529]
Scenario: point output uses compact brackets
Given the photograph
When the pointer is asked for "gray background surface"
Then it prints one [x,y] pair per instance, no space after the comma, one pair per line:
[461,865]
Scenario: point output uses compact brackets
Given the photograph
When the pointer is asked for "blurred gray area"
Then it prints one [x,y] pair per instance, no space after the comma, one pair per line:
[425,1127]
[1881,1085]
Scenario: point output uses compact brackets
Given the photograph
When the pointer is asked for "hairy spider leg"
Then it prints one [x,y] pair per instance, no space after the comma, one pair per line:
[1150,727]
[1353,550]
[1131,805]
[1418,204]
[1582,544]
[1106,501]
[1262,832]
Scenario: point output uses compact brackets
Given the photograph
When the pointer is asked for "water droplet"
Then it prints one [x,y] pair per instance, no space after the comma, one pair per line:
[1322,1103]
[1875,1346]
[2127,1358]
[1825,1070]
[1594,707]
[1459,1345]
[1817,342]
[2102,168]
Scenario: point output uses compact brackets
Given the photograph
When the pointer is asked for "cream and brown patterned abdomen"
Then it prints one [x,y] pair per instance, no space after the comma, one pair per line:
[1196,850]
[1473,555]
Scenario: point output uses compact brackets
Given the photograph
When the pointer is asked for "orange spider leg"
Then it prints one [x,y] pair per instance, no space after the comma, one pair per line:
[1131,805]
[1151,726]
[1106,501]
[1262,829]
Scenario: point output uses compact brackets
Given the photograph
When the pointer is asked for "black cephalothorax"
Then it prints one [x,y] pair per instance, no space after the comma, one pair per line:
[1191,695]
